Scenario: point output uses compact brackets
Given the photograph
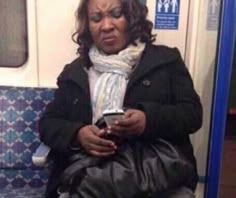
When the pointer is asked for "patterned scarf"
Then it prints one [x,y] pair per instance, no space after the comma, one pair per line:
[111,86]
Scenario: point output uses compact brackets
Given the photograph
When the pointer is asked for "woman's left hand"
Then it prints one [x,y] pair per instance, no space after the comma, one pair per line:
[134,123]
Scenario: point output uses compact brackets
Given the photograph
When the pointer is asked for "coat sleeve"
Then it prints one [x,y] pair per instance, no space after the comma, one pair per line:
[56,130]
[180,118]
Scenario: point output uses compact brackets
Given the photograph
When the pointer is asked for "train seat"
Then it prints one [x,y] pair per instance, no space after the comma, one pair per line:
[20,110]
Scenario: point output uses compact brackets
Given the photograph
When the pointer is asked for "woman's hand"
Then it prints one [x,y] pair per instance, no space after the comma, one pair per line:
[91,139]
[134,123]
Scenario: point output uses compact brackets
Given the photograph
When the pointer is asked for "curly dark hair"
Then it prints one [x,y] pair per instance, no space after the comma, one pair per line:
[138,26]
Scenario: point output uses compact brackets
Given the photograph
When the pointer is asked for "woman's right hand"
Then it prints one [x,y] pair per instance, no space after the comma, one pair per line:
[91,139]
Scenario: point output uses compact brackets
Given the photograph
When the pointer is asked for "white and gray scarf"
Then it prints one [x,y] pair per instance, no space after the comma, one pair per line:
[115,70]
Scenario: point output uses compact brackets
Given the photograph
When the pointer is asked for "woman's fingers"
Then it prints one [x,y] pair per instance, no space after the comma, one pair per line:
[89,138]
[134,123]
[101,147]
[102,142]
[124,130]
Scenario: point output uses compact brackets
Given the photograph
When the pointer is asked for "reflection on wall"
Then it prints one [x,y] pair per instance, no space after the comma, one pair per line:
[202,68]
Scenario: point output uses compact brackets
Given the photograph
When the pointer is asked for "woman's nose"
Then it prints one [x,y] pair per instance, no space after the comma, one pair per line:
[107,24]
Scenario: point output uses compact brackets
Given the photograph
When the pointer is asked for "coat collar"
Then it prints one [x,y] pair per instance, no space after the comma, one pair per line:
[153,57]
[75,72]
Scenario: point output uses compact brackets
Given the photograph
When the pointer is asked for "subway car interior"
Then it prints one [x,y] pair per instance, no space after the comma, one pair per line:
[35,45]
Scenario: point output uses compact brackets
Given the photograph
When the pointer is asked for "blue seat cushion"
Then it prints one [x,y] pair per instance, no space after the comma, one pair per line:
[26,192]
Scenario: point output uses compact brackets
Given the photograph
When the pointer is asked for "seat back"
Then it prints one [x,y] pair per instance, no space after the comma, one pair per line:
[20,110]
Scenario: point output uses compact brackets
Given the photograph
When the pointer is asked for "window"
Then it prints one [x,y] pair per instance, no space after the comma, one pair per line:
[13,33]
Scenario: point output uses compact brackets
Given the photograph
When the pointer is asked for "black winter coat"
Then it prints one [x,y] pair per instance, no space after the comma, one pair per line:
[160,86]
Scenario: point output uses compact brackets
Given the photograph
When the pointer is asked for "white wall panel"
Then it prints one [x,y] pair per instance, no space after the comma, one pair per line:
[172,38]
[56,23]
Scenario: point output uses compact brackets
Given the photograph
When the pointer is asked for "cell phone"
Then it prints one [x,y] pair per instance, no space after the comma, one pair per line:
[111,115]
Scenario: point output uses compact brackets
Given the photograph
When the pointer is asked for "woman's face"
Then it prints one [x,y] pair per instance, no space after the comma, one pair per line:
[108,25]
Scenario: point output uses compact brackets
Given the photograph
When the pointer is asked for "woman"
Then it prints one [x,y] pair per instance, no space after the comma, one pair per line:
[118,68]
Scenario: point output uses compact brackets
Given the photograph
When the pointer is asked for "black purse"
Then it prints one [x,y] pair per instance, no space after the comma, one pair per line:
[138,169]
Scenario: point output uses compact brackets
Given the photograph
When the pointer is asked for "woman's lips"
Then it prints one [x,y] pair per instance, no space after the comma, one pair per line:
[109,40]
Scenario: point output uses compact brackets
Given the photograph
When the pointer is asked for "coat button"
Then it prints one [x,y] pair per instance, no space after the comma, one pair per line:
[147,83]
[76,100]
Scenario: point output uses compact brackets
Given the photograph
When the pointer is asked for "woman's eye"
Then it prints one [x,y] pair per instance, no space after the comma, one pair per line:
[96,17]
[117,13]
